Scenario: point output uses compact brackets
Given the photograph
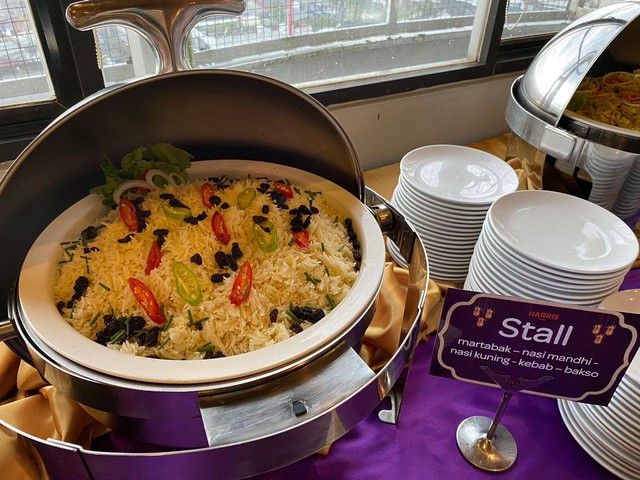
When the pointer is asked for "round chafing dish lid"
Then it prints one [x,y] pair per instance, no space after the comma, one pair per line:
[556,72]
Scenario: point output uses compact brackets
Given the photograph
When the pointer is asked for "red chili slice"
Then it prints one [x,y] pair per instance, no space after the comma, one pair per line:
[219,228]
[283,189]
[301,238]
[242,284]
[153,258]
[147,301]
[128,214]
[206,192]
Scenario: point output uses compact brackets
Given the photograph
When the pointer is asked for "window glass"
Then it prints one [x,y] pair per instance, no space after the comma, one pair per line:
[23,73]
[313,43]
[529,18]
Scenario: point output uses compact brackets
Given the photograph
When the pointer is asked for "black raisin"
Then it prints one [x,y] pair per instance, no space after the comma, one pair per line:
[161,231]
[160,241]
[265,209]
[125,239]
[196,258]
[215,200]
[348,224]
[149,338]
[190,220]
[174,202]
[232,263]
[201,216]
[259,219]
[273,315]
[166,196]
[304,210]
[296,328]
[136,323]
[314,210]
[311,314]
[220,258]
[60,305]
[307,222]
[224,206]
[218,277]
[235,250]
[263,187]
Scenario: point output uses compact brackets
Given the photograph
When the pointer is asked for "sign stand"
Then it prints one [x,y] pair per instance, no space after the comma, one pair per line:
[486,443]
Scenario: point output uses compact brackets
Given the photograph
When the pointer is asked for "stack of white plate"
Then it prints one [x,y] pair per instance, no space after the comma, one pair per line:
[628,201]
[607,168]
[445,191]
[611,434]
[551,246]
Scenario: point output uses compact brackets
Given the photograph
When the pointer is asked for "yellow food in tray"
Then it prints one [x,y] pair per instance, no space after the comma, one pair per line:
[613,99]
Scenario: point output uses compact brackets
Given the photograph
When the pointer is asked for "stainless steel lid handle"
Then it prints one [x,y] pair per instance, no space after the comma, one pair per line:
[164,23]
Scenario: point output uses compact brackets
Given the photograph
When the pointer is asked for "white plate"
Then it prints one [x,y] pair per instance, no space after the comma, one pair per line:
[539,276]
[518,258]
[557,292]
[564,232]
[577,431]
[40,267]
[459,174]
[418,196]
[421,208]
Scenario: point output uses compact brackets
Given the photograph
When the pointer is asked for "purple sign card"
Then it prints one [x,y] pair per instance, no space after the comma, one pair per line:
[575,353]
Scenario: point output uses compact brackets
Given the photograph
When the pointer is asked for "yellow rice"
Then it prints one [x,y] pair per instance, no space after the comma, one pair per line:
[280,278]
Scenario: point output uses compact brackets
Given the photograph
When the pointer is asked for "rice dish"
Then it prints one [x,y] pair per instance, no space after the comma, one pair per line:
[613,99]
[288,259]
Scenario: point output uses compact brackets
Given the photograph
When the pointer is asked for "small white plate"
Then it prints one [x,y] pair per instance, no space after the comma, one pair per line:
[564,232]
[459,174]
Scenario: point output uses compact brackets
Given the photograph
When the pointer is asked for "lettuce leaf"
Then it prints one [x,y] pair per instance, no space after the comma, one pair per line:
[133,165]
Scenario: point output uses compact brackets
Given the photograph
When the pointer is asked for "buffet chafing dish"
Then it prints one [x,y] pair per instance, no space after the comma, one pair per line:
[551,141]
[223,427]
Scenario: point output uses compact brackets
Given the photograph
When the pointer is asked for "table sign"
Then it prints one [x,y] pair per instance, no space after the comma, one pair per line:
[535,347]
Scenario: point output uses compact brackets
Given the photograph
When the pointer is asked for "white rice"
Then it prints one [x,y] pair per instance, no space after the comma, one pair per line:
[279,277]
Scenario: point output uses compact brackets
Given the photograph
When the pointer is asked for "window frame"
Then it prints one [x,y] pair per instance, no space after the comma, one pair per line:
[70,55]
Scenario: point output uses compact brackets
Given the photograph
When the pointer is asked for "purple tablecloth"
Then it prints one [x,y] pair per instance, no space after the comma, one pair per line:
[423,443]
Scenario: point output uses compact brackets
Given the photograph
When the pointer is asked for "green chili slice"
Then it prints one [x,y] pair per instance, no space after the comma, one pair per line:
[246,197]
[266,235]
[187,284]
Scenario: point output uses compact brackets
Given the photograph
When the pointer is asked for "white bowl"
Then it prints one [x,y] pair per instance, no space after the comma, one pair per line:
[40,267]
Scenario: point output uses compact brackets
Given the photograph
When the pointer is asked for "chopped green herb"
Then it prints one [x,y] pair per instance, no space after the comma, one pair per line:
[117,336]
[167,324]
[164,343]
[200,320]
[190,317]
[326,270]
[86,261]
[207,347]
[312,195]
[342,246]
[104,286]
[291,241]
[297,190]
[292,316]
[335,220]
[322,246]
[311,279]
[94,319]
[332,303]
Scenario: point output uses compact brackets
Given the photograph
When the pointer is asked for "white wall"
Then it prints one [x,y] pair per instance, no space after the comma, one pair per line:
[384,129]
